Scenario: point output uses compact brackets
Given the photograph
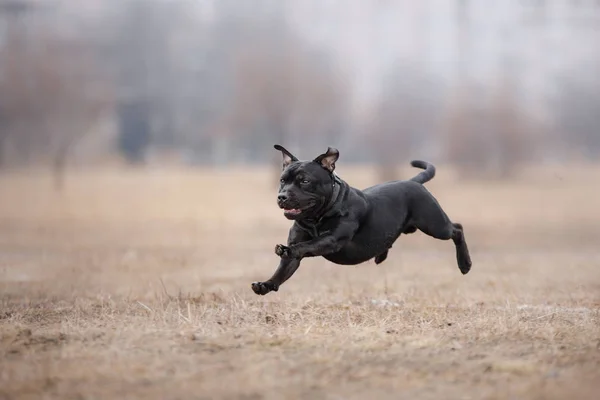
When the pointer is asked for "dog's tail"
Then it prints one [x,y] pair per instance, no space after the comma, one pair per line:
[426,175]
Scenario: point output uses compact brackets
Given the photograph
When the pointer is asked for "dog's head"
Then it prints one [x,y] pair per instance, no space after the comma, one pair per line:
[306,186]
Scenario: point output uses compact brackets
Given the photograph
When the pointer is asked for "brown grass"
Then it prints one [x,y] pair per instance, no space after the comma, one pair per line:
[136,285]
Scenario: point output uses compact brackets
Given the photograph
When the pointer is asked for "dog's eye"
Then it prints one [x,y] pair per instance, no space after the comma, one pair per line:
[281,181]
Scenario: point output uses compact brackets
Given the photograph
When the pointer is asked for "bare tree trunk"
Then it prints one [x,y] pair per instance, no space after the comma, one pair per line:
[3,139]
[387,160]
[221,151]
[59,165]
[61,157]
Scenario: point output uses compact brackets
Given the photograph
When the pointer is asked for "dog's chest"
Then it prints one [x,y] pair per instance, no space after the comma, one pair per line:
[315,230]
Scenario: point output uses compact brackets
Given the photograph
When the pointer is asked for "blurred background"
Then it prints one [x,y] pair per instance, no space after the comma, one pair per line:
[483,86]
[138,186]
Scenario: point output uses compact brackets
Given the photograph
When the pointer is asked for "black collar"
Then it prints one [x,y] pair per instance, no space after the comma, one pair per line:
[337,184]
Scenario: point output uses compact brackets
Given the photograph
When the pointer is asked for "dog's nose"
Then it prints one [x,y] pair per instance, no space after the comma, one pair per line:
[282,198]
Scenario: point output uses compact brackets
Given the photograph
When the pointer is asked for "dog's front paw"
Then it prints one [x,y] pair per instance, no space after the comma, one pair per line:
[283,251]
[262,288]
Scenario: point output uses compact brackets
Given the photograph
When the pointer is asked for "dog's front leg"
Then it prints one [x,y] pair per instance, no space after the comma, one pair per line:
[287,267]
[331,242]
[292,255]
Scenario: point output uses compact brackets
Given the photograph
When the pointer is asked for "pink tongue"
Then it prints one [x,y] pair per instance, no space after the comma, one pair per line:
[293,211]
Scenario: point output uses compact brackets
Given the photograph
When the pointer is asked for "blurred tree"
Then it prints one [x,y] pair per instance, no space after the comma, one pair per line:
[140,54]
[11,49]
[134,130]
[291,97]
[82,97]
[404,119]
[489,139]
[51,93]
[222,88]
[577,111]
[284,91]
[487,136]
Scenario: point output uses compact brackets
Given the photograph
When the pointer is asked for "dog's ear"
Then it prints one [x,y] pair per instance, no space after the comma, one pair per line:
[328,159]
[288,157]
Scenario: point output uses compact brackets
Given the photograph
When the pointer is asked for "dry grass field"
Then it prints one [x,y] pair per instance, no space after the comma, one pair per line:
[136,284]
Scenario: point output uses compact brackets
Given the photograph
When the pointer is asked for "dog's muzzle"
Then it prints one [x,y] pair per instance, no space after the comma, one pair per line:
[289,209]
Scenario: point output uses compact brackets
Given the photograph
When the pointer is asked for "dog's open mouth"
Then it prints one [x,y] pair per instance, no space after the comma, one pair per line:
[292,211]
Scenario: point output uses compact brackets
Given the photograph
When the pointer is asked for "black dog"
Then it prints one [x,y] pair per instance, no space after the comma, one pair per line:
[349,226]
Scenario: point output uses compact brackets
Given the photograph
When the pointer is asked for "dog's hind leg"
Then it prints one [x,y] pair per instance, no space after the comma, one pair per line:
[430,219]
[462,251]
[383,256]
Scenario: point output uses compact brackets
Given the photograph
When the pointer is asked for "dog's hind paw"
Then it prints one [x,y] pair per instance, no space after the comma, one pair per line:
[464,265]
[282,251]
[262,288]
